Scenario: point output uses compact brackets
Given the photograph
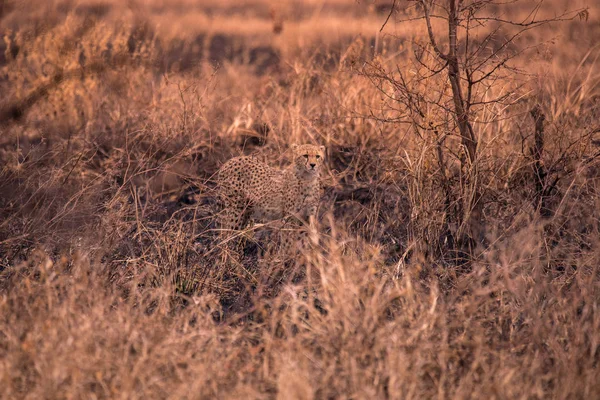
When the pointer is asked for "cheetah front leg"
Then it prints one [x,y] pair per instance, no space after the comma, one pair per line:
[288,238]
[294,227]
[311,213]
[311,217]
[232,221]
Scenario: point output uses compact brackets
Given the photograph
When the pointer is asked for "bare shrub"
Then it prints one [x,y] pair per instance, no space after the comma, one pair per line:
[111,281]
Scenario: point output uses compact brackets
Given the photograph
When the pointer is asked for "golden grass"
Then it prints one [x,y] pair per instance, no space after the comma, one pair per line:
[112,283]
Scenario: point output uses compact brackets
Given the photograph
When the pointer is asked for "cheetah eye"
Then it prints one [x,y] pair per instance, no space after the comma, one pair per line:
[306,156]
[318,156]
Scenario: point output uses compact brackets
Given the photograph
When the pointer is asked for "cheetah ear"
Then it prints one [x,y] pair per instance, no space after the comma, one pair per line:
[323,150]
[294,147]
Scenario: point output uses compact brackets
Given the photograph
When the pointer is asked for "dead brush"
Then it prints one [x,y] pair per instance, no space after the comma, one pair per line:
[111,277]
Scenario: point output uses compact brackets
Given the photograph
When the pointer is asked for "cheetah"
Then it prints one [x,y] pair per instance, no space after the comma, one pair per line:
[251,190]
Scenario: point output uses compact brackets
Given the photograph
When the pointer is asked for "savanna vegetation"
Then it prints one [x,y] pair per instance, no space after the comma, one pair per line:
[457,249]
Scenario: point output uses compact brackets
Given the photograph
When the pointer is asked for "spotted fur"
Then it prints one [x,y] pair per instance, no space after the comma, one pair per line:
[252,190]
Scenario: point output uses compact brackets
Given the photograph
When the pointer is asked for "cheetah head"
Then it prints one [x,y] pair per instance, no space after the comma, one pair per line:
[308,159]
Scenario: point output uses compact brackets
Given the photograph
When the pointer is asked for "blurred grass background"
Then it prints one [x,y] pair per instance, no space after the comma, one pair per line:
[115,117]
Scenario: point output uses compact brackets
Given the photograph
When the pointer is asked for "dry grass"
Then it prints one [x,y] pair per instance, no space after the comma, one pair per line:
[111,281]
